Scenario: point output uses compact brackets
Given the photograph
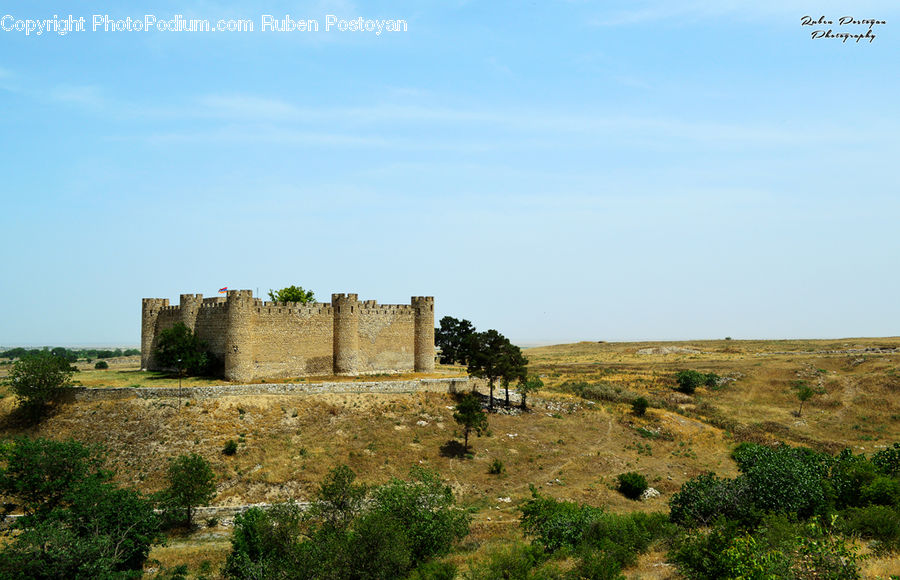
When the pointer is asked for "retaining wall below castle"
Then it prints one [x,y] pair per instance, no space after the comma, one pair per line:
[443,385]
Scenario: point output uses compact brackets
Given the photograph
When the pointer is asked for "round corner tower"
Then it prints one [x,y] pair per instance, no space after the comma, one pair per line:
[150,308]
[346,333]
[239,335]
[189,307]
[423,306]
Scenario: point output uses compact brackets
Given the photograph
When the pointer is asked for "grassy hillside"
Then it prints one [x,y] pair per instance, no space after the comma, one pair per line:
[579,435]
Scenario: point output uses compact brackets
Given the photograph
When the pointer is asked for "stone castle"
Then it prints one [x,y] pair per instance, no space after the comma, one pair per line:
[257,339]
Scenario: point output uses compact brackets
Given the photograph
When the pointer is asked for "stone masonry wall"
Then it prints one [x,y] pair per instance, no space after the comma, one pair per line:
[292,341]
[386,338]
[445,385]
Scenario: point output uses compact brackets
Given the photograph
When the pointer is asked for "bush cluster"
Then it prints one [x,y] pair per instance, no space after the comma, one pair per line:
[632,484]
[351,532]
[603,543]
[76,522]
[689,381]
[770,520]
[639,406]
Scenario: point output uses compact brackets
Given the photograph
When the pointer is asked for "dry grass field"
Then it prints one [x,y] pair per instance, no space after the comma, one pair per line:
[568,446]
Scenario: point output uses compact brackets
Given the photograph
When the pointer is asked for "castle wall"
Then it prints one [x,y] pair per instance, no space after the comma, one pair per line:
[292,340]
[257,339]
[386,338]
[211,326]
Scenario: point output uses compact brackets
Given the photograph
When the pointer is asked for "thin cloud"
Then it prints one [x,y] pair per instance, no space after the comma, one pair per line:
[90,97]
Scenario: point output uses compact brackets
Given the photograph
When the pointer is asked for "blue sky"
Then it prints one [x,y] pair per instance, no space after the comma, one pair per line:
[560,171]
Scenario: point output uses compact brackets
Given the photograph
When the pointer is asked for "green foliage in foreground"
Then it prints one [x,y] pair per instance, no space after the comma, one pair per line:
[779,548]
[603,543]
[783,516]
[76,523]
[192,483]
[39,379]
[352,532]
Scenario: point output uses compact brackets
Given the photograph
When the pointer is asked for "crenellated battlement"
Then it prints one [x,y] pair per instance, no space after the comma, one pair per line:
[260,339]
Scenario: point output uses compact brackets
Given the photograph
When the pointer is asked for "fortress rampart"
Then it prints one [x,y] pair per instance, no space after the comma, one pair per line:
[258,339]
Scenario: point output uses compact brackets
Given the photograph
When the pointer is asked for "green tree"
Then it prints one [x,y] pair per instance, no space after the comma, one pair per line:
[452,337]
[804,393]
[423,506]
[470,416]
[292,294]
[639,406]
[180,349]
[76,523]
[513,367]
[40,378]
[191,483]
[530,385]
[339,499]
[490,357]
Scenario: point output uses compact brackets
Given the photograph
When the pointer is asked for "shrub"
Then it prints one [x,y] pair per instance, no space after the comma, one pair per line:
[881,491]
[688,381]
[230,447]
[887,461]
[40,378]
[639,406]
[847,475]
[823,555]
[434,571]
[403,524]
[514,561]
[555,524]
[786,479]
[632,484]
[880,523]
[749,557]
[600,392]
[597,565]
[777,549]
[101,364]
[264,542]
[623,537]
[704,498]
[702,555]
[496,467]
[424,507]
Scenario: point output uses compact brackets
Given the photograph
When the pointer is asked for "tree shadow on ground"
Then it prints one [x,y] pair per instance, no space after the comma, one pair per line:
[453,449]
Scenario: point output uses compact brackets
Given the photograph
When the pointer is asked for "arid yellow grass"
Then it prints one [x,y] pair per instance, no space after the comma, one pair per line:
[566,446]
